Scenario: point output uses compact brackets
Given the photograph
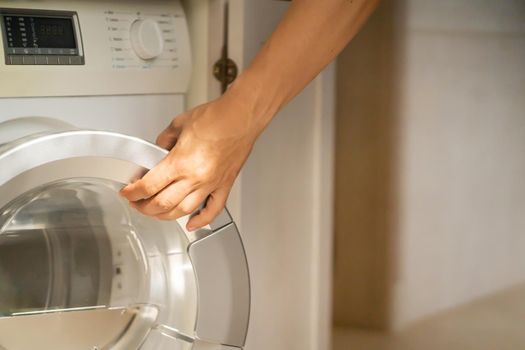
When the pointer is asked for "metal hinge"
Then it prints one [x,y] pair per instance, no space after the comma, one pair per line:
[225,70]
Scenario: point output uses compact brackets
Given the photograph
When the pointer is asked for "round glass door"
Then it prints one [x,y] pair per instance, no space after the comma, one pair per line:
[79,269]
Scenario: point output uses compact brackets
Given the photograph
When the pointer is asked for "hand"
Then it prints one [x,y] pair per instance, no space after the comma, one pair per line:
[209,145]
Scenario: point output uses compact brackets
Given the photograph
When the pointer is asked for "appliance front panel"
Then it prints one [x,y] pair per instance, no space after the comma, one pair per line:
[112,53]
[143,116]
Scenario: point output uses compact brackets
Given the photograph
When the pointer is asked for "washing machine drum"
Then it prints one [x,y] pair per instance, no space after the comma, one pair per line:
[80,270]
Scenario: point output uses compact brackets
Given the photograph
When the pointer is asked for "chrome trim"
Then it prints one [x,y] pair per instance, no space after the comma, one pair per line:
[79,167]
[20,128]
[74,144]
[223,219]
[222,275]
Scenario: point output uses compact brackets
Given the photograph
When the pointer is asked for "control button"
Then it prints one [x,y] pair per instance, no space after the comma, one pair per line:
[16,60]
[41,60]
[147,39]
[29,59]
[52,59]
[77,60]
[63,60]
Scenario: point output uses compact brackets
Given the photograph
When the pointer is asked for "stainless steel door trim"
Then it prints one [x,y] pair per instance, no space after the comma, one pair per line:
[222,220]
[73,144]
[18,128]
[222,274]
[81,167]
[216,252]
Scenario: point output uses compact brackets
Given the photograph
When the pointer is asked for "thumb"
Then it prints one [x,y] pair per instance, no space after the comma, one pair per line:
[169,136]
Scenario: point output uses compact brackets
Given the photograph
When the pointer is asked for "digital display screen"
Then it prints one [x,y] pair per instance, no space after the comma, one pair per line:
[39,32]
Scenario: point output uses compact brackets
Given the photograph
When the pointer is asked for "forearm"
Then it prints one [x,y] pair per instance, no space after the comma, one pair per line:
[210,143]
[309,37]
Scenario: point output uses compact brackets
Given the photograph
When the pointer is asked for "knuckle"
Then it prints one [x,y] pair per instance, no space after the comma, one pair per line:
[174,125]
[163,204]
[185,209]
[177,122]
[204,172]
[149,189]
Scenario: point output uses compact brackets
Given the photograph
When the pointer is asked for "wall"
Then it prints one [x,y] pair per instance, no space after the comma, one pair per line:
[462,207]
[286,208]
[283,197]
[437,166]
[365,152]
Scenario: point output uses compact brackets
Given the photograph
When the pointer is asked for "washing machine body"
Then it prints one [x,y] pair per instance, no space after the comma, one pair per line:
[80,269]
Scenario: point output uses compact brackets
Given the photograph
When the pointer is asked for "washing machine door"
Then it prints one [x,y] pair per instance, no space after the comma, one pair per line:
[79,269]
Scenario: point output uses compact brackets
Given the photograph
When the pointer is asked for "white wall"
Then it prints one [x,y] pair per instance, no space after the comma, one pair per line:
[462,170]
[286,209]
[430,209]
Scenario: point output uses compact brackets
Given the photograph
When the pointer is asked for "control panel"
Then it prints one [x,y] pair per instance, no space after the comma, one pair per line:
[142,40]
[41,37]
[90,47]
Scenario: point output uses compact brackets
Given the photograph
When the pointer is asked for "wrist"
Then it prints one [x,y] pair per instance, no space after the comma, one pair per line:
[256,102]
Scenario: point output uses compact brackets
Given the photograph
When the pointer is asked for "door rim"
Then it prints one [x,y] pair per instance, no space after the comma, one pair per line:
[132,157]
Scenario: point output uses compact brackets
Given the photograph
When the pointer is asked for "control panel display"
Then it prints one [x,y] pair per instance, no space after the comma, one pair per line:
[40,37]
[40,32]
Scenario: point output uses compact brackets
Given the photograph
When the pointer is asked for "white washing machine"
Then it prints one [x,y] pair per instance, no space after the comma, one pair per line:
[84,85]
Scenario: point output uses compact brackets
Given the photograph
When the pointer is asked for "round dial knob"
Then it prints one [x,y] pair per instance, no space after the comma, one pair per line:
[146,39]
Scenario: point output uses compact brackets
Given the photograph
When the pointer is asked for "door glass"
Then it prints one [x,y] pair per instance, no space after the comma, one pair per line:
[74,270]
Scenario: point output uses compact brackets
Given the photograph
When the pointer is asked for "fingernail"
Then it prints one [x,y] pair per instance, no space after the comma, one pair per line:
[191,228]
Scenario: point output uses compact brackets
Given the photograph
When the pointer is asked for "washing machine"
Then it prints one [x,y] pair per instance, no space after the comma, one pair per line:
[84,88]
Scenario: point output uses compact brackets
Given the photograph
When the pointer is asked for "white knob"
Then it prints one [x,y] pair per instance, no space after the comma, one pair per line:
[146,39]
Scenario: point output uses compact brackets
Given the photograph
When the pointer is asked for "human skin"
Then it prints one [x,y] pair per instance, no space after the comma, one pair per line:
[210,143]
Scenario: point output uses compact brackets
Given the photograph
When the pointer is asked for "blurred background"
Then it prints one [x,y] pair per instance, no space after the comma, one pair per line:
[430,179]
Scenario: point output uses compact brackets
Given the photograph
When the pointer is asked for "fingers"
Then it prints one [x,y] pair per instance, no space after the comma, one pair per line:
[166,200]
[205,158]
[152,183]
[214,205]
[189,205]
